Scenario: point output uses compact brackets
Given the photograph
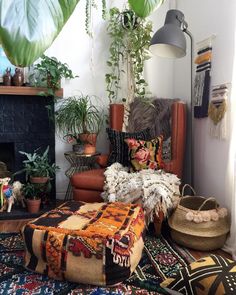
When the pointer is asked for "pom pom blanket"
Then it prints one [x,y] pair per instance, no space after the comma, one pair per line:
[155,189]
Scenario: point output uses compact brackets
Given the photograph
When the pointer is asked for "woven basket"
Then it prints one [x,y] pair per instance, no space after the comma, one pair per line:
[200,235]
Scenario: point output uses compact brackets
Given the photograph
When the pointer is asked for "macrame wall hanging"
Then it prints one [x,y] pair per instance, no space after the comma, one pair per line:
[217,111]
[202,78]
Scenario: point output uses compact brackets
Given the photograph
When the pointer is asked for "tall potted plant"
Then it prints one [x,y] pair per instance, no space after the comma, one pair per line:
[76,117]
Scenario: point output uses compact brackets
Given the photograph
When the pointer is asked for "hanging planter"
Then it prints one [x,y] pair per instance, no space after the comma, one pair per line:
[128,19]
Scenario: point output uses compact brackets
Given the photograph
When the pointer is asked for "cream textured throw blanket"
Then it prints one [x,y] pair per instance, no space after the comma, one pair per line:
[155,189]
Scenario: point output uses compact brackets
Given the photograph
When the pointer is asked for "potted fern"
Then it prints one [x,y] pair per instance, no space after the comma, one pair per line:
[78,119]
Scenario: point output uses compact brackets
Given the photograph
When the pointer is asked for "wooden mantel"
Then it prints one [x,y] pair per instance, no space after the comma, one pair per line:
[25,90]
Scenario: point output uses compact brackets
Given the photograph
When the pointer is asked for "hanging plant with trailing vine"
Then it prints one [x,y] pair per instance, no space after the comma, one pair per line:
[89,6]
[130,39]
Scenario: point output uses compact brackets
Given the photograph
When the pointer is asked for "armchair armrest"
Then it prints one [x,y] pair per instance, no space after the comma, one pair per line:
[102,160]
[174,166]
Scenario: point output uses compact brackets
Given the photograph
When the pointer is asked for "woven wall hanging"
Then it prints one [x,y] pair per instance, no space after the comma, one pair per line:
[202,79]
[217,111]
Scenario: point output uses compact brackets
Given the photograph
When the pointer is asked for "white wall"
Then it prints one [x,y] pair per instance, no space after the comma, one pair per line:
[167,78]
[159,71]
[87,58]
[211,156]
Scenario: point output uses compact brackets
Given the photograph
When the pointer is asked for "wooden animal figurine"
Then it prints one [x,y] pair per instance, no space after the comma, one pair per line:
[17,193]
[6,198]
[7,77]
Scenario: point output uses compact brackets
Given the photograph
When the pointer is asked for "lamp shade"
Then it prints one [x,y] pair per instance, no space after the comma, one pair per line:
[170,41]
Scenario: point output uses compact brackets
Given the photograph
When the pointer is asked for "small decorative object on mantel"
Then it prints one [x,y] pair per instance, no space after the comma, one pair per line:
[217,111]
[7,77]
[18,77]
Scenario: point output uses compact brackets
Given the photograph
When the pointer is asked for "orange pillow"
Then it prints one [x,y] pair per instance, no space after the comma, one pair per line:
[145,154]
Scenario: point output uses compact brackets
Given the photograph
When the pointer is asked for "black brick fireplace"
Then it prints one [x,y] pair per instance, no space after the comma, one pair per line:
[25,125]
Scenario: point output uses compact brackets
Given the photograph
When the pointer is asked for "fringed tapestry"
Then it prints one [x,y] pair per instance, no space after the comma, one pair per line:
[202,82]
[217,112]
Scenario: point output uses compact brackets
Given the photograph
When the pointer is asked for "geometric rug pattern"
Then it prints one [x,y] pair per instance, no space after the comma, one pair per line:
[161,259]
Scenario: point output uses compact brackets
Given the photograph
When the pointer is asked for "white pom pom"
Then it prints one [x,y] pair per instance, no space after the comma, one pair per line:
[112,198]
[205,216]
[197,218]
[214,215]
[189,216]
[222,212]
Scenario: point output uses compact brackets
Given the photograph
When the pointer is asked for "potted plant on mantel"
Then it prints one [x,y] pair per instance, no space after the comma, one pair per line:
[37,167]
[32,196]
[77,118]
[51,71]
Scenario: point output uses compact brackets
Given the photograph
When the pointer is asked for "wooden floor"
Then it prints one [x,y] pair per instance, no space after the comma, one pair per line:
[198,254]
[10,226]
[16,225]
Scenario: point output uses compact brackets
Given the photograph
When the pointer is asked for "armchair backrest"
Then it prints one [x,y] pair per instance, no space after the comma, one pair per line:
[178,133]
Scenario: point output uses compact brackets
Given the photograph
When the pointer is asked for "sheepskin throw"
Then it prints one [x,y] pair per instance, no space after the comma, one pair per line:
[155,189]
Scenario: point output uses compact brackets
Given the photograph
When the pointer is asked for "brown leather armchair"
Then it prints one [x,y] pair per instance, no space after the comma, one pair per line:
[88,185]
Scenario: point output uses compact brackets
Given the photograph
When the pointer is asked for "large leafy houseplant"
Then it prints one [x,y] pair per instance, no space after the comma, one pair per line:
[144,8]
[24,33]
[130,39]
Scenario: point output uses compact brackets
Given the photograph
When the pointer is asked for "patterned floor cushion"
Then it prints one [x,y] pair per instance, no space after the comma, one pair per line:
[211,275]
[96,243]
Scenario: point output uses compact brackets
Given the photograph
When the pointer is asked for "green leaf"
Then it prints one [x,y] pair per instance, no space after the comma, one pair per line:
[28,28]
[143,8]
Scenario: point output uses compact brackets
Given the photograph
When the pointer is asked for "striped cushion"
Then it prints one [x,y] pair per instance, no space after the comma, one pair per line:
[120,151]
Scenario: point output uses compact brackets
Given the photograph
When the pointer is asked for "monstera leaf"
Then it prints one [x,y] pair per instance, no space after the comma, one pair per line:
[28,27]
[144,7]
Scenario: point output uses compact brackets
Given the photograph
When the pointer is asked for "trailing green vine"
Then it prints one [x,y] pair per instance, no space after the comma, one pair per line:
[130,39]
[89,6]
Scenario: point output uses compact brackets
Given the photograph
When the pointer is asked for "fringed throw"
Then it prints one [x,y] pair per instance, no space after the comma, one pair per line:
[155,189]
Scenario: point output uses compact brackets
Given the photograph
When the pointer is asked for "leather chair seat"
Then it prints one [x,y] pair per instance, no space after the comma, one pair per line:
[94,179]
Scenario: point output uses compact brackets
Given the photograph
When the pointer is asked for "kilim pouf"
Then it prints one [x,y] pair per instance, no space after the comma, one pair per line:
[91,243]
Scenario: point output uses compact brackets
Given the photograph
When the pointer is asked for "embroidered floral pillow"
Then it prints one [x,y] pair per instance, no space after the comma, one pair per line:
[145,154]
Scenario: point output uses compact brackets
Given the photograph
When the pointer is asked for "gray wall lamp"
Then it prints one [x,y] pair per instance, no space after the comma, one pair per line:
[169,41]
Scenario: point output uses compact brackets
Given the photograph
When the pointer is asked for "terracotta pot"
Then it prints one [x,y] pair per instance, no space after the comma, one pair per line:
[89,141]
[39,179]
[116,116]
[33,205]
